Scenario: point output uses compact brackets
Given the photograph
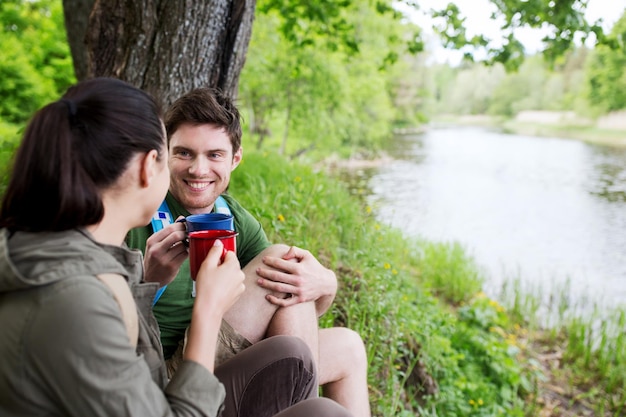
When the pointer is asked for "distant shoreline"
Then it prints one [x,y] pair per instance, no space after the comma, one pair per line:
[609,130]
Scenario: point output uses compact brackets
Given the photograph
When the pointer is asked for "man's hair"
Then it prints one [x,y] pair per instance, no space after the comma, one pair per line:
[205,106]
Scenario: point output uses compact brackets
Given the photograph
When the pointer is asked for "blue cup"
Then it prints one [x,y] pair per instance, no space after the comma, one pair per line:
[209,221]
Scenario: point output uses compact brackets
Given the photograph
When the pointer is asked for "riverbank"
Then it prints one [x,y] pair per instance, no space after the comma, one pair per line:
[609,130]
[436,344]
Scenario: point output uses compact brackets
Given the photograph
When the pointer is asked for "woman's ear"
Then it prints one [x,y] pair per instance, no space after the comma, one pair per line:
[149,167]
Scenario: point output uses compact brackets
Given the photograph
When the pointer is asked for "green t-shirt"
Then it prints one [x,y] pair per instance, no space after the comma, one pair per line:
[173,310]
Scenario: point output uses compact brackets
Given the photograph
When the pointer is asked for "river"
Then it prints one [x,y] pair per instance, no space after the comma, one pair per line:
[550,212]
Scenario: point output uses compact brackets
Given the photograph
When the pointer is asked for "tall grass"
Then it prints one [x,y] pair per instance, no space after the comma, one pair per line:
[436,345]
[589,336]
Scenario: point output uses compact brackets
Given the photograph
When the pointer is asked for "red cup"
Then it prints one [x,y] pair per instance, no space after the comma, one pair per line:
[202,241]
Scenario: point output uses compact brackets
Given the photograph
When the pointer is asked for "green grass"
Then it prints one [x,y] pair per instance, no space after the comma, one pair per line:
[428,354]
[437,346]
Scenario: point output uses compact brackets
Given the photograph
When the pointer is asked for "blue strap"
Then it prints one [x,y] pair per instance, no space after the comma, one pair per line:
[161,218]
[221,206]
[158,294]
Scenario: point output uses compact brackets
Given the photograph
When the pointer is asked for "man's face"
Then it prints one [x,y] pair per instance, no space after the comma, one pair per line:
[201,160]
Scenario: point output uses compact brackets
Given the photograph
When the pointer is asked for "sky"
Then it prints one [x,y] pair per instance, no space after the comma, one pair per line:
[478,12]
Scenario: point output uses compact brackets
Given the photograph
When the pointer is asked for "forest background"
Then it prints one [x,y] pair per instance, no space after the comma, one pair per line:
[312,91]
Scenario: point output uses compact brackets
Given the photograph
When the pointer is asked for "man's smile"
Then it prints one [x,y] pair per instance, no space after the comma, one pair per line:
[199,186]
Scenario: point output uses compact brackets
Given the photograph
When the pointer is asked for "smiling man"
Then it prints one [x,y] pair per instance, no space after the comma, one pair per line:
[287,288]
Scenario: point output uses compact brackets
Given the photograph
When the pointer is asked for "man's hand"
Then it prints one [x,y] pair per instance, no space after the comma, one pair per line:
[165,253]
[298,273]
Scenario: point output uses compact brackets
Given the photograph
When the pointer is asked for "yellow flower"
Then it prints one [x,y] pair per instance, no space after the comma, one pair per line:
[387,265]
[281,218]
[394,271]
[377,226]
[511,339]
[480,401]
[298,179]
[472,402]
[368,210]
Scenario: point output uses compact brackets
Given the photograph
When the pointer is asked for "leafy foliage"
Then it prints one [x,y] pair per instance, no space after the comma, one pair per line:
[303,96]
[605,73]
[35,63]
[564,20]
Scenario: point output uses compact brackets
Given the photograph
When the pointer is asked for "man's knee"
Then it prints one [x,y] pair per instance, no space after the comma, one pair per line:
[346,346]
[354,345]
[276,250]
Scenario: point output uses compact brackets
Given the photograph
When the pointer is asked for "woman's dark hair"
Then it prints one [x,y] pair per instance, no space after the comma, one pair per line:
[75,147]
[205,106]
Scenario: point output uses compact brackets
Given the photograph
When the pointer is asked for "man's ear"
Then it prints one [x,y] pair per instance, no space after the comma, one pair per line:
[237,157]
[149,167]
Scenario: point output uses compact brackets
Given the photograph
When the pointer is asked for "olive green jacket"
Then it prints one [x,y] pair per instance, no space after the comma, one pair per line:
[64,349]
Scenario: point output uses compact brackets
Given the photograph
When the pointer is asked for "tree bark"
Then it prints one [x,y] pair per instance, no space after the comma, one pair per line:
[168,47]
[76,16]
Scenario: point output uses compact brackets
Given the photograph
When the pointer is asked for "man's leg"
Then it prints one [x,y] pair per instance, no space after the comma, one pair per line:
[343,369]
[250,316]
[268,377]
[342,357]
[298,320]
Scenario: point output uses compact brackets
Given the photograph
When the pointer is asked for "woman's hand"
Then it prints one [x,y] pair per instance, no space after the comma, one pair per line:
[218,286]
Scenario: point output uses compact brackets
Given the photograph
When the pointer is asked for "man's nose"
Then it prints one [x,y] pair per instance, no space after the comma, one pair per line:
[200,166]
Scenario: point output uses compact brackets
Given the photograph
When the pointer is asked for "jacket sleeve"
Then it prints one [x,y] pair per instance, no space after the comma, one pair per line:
[77,348]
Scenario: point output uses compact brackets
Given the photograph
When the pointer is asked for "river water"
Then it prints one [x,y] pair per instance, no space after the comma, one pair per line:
[547,211]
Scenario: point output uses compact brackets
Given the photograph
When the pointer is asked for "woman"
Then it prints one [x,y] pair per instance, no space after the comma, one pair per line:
[92,166]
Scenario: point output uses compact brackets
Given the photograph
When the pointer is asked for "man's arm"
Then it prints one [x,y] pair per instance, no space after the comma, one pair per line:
[300,274]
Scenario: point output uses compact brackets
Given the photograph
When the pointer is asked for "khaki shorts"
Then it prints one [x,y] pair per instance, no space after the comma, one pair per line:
[229,343]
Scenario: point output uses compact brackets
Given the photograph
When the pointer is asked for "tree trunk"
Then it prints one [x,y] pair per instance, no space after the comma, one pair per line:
[76,16]
[168,47]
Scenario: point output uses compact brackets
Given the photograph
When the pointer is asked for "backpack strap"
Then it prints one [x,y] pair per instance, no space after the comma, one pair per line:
[221,206]
[121,292]
[161,218]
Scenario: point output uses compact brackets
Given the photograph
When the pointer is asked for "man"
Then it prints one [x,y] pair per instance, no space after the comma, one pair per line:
[286,287]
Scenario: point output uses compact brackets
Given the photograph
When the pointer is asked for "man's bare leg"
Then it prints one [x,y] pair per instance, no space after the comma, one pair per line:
[342,356]
[339,352]
[251,315]
[298,320]
[343,369]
